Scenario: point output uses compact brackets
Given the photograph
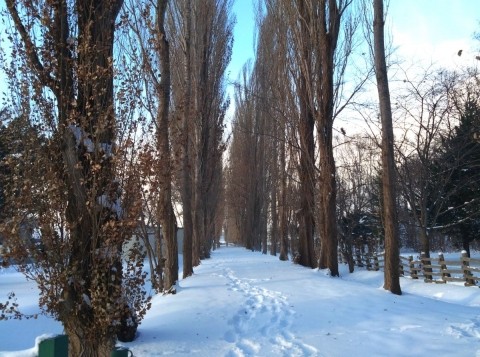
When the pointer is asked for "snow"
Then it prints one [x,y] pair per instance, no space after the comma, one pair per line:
[114,206]
[81,137]
[240,303]
[86,300]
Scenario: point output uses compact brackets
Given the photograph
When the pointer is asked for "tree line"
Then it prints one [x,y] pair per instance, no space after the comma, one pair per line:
[314,167]
[282,159]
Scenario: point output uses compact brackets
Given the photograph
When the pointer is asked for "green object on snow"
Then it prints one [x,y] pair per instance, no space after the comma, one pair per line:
[54,347]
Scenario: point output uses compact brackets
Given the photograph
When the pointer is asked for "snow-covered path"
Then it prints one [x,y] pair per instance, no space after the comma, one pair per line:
[241,303]
[249,304]
[262,324]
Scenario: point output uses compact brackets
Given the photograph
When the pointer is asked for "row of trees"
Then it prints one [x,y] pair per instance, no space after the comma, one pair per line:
[287,106]
[297,183]
[120,107]
[294,87]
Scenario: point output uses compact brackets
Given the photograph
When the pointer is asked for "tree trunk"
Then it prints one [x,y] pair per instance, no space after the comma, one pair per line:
[424,241]
[186,164]
[328,198]
[80,345]
[283,234]
[328,38]
[198,218]
[392,260]
[305,215]
[466,246]
[187,217]
[165,208]
[197,238]
[283,209]
[158,277]
[274,228]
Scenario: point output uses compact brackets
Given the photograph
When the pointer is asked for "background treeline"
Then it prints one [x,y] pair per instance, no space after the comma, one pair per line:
[276,188]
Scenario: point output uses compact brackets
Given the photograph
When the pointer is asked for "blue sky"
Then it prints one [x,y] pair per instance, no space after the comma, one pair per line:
[422,30]
[243,42]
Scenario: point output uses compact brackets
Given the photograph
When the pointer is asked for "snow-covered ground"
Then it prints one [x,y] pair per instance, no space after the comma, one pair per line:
[241,303]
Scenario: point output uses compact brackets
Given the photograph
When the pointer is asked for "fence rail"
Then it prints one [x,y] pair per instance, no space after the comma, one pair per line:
[433,270]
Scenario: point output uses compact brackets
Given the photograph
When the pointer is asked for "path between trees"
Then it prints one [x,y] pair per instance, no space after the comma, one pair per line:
[264,318]
[241,303]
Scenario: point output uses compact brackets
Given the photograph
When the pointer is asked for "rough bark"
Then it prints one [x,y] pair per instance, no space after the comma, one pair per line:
[274,211]
[165,208]
[186,177]
[328,37]
[327,193]
[392,273]
[305,215]
[283,202]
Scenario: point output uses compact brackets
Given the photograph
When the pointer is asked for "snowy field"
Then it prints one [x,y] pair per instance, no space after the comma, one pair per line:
[241,303]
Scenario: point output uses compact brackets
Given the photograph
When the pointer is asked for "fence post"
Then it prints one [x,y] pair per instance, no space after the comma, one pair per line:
[359,258]
[466,270]
[443,267]
[427,272]
[411,266]
[376,266]
[367,261]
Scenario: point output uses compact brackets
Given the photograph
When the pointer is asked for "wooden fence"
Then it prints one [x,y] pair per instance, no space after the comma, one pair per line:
[433,270]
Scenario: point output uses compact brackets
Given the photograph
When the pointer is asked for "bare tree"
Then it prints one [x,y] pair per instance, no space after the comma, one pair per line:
[357,201]
[165,209]
[426,106]
[210,40]
[149,48]
[180,28]
[433,105]
[258,134]
[300,47]
[319,64]
[392,260]
[294,62]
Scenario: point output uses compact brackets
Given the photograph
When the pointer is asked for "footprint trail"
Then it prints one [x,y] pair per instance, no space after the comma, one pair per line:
[262,325]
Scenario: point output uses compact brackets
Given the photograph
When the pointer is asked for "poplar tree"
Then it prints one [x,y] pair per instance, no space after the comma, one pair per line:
[63,54]
[392,259]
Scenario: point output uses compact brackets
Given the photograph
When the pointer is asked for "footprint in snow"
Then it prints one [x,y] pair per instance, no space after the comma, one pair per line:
[465,330]
[262,324]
